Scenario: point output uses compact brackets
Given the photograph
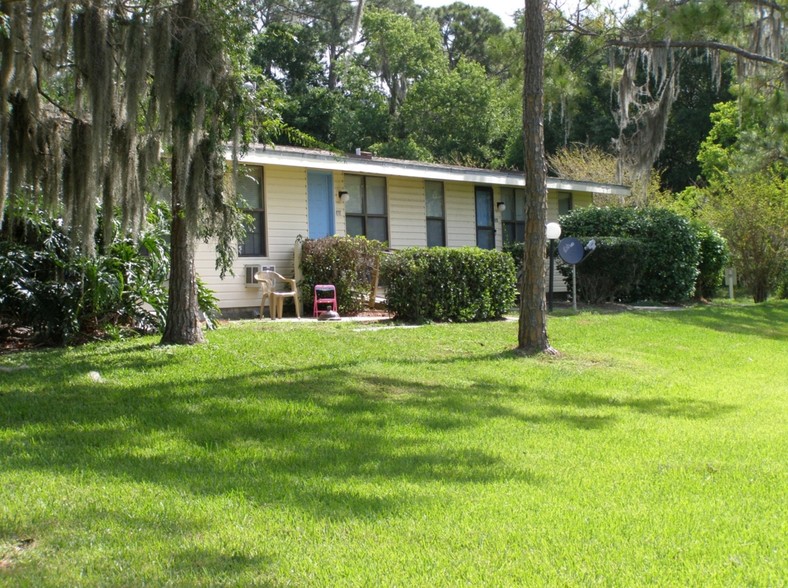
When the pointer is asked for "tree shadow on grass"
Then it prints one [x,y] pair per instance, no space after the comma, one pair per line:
[688,408]
[297,442]
[767,320]
[186,563]
[320,439]
[448,411]
[664,407]
[219,567]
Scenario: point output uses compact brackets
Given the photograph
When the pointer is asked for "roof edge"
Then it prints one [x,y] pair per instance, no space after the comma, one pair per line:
[326,160]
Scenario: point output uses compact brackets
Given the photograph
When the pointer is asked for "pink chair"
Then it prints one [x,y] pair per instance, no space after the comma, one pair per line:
[324,294]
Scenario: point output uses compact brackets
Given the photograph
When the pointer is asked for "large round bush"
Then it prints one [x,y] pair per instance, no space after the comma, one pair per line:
[670,246]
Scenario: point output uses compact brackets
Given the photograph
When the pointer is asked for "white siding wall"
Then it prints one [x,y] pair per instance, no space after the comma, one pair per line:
[498,218]
[407,213]
[285,196]
[286,208]
[339,184]
[582,199]
[460,214]
[552,207]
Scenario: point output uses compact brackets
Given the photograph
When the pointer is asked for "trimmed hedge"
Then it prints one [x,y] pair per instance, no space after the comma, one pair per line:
[347,262]
[449,284]
[671,248]
[611,273]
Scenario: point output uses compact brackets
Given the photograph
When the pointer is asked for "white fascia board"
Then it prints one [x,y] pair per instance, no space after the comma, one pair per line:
[359,165]
[326,161]
[593,187]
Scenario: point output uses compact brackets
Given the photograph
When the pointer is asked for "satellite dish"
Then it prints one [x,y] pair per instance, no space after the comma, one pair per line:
[571,250]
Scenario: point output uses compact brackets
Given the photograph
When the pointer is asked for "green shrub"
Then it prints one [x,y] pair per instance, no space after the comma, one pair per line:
[781,292]
[670,253]
[349,263]
[714,257]
[37,287]
[208,303]
[751,212]
[443,284]
[611,273]
[64,297]
[516,252]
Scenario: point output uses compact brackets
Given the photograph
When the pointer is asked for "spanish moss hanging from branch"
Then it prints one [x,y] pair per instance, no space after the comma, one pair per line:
[92,91]
[650,66]
[643,114]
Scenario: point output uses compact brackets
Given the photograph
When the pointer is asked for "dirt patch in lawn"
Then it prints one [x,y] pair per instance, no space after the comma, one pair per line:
[9,554]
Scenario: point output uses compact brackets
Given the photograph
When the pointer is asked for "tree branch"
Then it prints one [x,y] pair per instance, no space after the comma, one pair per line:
[755,3]
[665,44]
[49,99]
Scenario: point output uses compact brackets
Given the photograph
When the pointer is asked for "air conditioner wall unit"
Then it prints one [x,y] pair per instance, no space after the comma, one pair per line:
[249,273]
[251,269]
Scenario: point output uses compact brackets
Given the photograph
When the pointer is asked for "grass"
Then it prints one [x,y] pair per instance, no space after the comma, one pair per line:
[651,453]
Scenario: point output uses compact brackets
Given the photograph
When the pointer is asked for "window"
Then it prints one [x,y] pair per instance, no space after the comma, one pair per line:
[513,218]
[436,217]
[250,188]
[564,203]
[365,211]
[485,219]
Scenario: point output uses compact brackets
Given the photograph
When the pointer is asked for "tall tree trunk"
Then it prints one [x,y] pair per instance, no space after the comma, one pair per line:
[532,334]
[6,71]
[183,327]
[333,76]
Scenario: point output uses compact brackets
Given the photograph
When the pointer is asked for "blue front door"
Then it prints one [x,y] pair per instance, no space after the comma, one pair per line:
[320,187]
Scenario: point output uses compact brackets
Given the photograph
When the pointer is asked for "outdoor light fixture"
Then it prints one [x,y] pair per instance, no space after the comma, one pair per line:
[343,196]
[552,232]
[501,206]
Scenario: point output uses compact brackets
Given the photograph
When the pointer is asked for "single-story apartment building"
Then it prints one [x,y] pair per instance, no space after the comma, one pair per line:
[293,192]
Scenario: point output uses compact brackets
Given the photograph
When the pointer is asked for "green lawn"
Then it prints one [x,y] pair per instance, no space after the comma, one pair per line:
[653,452]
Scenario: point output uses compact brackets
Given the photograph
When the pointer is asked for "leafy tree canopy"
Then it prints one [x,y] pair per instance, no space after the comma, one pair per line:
[466,32]
[455,115]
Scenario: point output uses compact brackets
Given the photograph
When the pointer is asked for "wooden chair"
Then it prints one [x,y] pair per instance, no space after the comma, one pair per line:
[269,285]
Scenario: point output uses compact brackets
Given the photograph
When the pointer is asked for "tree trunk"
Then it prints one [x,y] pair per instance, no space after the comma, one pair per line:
[532,334]
[6,71]
[760,290]
[182,326]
